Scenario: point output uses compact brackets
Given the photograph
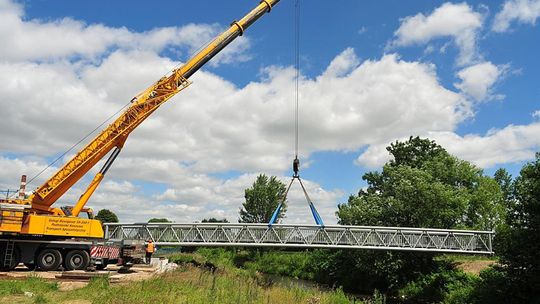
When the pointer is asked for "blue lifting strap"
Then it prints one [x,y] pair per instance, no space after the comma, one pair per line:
[316,216]
[276,213]
[314,212]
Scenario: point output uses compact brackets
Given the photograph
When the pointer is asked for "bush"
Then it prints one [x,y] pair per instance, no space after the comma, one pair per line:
[491,287]
[447,285]
[182,258]
[241,258]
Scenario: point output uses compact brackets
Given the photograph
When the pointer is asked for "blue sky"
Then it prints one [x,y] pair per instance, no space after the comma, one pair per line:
[479,58]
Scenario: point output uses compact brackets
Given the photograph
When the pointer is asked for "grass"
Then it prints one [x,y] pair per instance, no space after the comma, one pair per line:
[293,264]
[32,284]
[187,284]
[467,258]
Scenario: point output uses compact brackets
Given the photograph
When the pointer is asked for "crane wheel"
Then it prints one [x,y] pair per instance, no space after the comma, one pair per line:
[77,260]
[49,259]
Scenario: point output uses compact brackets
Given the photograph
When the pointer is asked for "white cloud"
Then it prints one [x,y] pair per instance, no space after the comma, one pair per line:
[343,64]
[457,21]
[214,126]
[374,156]
[251,126]
[536,114]
[511,144]
[13,168]
[521,11]
[477,80]
[211,127]
[64,38]
[194,200]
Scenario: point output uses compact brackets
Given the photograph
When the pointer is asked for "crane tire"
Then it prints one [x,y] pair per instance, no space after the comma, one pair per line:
[49,259]
[76,260]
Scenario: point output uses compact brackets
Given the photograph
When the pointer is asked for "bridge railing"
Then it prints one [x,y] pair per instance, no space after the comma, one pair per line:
[306,236]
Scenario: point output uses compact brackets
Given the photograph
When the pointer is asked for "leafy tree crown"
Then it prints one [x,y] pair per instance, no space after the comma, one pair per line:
[261,199]
[107,216]
[159,220]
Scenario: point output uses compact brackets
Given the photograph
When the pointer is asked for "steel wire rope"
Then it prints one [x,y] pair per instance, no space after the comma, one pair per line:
[77,143]
[297,72]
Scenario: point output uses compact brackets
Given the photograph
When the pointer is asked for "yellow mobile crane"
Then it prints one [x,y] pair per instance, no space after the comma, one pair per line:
[34,232]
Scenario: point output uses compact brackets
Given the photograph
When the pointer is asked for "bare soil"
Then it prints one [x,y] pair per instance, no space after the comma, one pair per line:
[475,266]
[135,273]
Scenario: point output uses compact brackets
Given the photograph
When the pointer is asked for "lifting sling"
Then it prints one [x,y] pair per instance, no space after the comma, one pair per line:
[296,161]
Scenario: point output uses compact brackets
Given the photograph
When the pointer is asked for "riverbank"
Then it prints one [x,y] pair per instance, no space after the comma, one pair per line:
[186,284]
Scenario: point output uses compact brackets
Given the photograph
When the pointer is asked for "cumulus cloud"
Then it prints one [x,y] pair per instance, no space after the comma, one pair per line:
[169,166]
[67,38]
[457,21]
[13,168]
[214,126]
[477,80]
[343,64]
[389,96]
[511,144]
[536,114]
[520,11]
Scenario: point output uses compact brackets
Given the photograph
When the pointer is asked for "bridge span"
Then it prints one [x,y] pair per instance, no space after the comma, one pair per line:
[305,236]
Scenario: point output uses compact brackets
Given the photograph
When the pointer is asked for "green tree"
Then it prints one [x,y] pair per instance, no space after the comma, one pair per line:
[504,179]
[107,216]
[214,220]
[158,220]
[262,199]
[422,186]
[518,245]
[507,185]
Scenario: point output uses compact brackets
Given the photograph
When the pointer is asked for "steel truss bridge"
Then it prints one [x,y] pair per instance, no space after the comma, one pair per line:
[305,236]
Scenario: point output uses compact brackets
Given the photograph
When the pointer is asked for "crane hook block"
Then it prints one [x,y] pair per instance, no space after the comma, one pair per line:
[296,166]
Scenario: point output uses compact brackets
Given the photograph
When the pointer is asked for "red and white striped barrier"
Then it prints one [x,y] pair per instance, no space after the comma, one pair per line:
[101,251]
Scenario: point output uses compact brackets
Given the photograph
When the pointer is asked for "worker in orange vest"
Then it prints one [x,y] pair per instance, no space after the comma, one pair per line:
[150,248]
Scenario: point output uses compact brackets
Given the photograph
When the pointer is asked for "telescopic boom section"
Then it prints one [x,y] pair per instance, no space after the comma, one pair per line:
[142,106]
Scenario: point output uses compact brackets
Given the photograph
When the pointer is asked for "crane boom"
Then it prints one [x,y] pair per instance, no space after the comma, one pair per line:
[142,106]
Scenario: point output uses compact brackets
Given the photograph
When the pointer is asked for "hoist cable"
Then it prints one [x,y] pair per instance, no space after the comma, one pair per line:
[296,162]
[297,70]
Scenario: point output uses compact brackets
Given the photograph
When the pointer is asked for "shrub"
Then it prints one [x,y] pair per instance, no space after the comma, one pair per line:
[446,285]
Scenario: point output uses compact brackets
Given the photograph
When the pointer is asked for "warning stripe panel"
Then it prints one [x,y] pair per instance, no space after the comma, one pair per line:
[100,251]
